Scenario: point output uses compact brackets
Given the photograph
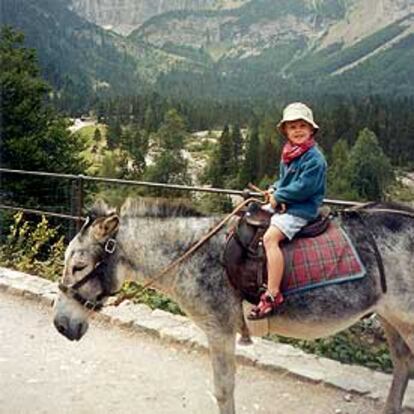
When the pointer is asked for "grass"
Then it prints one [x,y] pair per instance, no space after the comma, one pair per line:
[95,151]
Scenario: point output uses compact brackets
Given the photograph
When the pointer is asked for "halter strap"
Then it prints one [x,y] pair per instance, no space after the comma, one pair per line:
[109,248]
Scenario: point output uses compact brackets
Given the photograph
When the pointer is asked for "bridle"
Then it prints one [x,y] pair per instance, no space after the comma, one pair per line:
[99,271]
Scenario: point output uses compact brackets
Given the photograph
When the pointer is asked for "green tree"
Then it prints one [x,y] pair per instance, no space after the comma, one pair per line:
[225,156]
[169,164]
[113,134]
[368,168]
[339,185]
[270,149]
[237,144]
[97,136]
[32,135]
[221,170]
[250,167]
[135,142]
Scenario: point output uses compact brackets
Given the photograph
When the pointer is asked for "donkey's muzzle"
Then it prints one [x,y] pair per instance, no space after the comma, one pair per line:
[72,330]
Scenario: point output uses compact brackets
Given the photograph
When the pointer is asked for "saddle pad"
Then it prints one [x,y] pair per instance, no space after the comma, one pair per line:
[319,261]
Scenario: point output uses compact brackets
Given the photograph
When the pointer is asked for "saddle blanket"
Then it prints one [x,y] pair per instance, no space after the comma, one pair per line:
[318,261]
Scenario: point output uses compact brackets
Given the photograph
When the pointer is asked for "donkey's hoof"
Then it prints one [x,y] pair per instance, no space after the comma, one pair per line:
[245,340]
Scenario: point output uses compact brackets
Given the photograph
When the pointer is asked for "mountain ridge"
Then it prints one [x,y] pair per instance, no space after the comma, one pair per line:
[127,15]
[232,48]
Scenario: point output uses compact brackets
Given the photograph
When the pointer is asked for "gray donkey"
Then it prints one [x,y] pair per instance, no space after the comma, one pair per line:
[146,237]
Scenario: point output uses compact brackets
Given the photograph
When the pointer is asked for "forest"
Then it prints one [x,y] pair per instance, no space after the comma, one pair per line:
[368,141]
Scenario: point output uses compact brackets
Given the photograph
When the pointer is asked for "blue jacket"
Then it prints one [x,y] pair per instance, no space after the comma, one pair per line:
[302,184]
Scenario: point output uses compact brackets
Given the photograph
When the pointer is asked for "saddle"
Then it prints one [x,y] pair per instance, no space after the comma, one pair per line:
[244,257]
[257,217]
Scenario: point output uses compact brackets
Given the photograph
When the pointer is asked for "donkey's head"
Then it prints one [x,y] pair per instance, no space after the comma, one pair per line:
[89,272]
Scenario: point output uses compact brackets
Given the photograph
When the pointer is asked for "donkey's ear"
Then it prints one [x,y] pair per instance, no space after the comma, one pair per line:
[105,227]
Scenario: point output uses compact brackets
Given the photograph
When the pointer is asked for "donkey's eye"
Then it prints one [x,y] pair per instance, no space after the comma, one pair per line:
[78,268]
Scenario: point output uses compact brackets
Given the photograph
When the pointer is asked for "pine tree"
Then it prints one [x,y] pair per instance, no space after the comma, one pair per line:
[169,164]
[369,169]
[225,156]
[270,149]
[113,134]
[135,142]
[250,167]
[219,166]
[32,135]
[97,136]
[237,144]
[338,180]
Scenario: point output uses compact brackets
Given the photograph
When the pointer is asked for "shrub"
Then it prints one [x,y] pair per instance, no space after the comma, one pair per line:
[33,248]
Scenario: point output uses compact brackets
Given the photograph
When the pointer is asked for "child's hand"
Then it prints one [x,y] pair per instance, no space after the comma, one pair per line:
[266,195]
[272,201]
[280,207]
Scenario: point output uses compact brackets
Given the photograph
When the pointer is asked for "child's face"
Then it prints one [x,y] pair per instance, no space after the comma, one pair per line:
[298,131]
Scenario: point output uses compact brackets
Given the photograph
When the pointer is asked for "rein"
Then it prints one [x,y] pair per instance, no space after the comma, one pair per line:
[110,247]
[188,252]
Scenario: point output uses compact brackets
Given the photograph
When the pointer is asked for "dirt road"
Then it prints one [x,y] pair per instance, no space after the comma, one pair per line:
[116,371]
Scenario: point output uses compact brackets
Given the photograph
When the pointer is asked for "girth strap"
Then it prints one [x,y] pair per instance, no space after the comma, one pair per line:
[373,243]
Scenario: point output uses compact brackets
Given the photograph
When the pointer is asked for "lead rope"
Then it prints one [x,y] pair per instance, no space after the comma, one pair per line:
[188,253]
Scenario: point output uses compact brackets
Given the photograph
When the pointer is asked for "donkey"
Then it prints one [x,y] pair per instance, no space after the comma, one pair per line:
[146,237]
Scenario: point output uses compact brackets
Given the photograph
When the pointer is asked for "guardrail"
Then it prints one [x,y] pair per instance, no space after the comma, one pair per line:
[78,192]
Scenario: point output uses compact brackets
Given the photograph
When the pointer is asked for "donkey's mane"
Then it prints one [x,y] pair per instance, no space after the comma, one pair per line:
[158,207]
[100,209]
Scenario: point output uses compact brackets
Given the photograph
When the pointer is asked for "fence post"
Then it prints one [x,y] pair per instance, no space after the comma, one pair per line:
[76,204]
[79,201]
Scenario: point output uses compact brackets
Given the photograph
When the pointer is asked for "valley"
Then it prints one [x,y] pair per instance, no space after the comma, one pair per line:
[239,47]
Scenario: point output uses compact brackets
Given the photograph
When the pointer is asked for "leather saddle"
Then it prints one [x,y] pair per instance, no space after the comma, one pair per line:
[257,217]
[244,257]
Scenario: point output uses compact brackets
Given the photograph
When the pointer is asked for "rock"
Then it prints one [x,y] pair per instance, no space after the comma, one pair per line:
[348,397]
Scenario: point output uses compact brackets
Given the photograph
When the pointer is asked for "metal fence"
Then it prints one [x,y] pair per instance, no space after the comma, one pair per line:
[73,198]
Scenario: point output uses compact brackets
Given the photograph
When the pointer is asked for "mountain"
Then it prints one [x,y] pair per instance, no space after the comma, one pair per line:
[219,48]
[262,24]
[80,59]
[325,41]
[124,16]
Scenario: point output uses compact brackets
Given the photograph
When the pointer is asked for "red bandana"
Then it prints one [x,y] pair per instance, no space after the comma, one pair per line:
[291,151]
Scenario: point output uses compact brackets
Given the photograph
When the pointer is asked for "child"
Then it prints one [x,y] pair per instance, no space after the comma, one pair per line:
[294,198]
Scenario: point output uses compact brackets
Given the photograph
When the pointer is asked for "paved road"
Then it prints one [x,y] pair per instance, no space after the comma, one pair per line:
[116,371]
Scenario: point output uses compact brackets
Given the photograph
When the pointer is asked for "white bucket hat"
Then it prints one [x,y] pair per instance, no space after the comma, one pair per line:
[296,111]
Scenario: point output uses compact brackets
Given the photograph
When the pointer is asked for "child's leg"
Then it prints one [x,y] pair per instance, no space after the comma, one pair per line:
[272,298]
[275,261]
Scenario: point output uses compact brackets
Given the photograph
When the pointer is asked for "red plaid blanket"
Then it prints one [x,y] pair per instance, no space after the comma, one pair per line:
[318,261]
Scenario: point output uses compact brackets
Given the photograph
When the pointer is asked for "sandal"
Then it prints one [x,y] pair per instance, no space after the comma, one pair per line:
[268,303]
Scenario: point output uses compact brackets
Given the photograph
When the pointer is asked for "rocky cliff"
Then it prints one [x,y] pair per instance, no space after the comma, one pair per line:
[289,30]
[222,44]
[123,16]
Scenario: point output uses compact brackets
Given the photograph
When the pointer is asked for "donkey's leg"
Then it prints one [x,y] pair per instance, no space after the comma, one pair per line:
[403,360]
[405,327]
[245,338]
[222,355]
